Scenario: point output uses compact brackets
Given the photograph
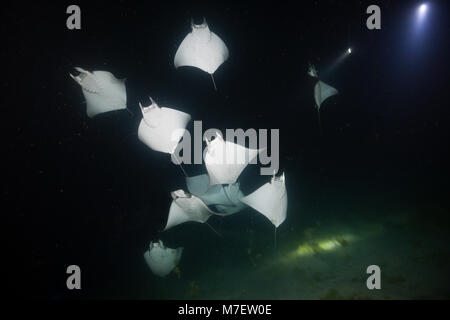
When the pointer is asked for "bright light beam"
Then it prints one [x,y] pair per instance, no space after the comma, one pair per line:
[420,19]
[421,11]
[336,62]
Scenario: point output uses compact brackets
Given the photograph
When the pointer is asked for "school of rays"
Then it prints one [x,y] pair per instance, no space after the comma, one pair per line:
[217,191]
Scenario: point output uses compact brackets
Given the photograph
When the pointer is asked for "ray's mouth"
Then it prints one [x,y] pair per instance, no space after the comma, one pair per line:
[199,26]
[180,194]
[81,75]
[86,84]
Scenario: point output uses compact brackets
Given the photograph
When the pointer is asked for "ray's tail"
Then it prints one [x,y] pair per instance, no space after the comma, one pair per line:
[320,121]
[130,112]
[180,165]
[275,238]
[214,82]
[213,229]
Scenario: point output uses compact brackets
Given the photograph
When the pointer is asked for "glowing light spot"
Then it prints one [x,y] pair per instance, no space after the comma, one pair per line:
[329,245]
[317,246]
[423,9]
[349,50]
[304,250]
[421,12]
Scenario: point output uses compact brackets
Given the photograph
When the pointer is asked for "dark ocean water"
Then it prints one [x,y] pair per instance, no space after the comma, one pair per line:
[371,188]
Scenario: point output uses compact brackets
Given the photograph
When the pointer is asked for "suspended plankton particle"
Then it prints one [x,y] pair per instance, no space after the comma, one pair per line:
[103,92]
[322,91]
[187,207]
[312,71]
[202,49]
[224,197]
[161,129]
[225,160]
[160,259]
[270,200]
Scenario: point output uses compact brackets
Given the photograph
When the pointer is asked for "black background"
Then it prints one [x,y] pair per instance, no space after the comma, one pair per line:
[79,191]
